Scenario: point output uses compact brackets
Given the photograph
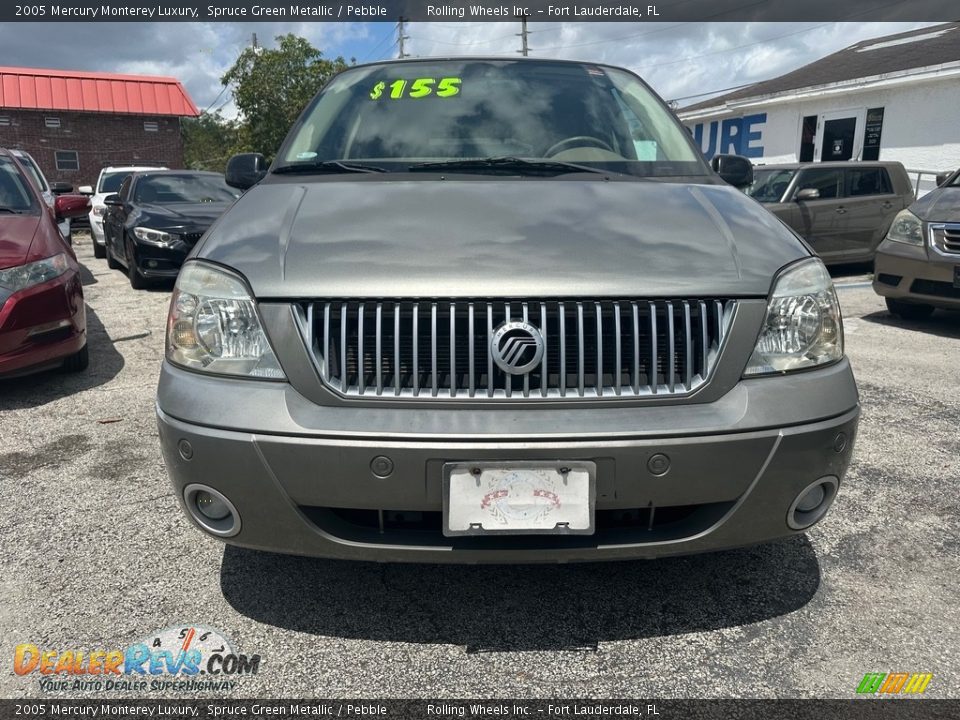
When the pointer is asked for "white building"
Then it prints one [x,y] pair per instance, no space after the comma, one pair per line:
[890,98]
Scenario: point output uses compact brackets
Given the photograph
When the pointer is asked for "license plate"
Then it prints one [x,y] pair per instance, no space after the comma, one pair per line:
[956,276]
[519,498]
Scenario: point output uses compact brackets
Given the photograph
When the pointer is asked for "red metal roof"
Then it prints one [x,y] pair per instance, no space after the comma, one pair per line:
[35,89]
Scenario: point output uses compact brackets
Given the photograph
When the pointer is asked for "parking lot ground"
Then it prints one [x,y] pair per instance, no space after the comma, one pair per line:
[94,554]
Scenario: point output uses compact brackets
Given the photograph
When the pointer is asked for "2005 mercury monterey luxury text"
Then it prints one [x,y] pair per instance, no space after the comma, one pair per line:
[487,310]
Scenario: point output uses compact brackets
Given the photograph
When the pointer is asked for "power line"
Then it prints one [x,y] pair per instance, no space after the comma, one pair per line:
[376,47]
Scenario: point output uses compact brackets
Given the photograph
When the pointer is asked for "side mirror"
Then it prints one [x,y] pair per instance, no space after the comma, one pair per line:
[735,170]
[942,178]
[59,188]
[808,194]
[245,170]
[113,200]
[85,190]
[71,206]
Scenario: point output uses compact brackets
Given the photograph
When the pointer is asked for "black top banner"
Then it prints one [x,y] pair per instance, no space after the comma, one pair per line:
[480,10]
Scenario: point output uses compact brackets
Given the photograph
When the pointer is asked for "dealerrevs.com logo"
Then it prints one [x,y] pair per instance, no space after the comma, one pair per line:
[179,658]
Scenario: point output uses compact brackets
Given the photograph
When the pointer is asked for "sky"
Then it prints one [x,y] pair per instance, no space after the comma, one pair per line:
[681,61]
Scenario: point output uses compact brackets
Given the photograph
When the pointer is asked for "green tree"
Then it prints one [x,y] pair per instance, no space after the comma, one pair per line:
[210,140]
[271,86]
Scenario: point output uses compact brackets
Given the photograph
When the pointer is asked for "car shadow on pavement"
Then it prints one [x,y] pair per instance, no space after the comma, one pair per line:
[943,323]
[43,387]
[521,607]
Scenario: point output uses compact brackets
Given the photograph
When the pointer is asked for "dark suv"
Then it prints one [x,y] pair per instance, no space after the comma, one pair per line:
[489,310]
[843,209]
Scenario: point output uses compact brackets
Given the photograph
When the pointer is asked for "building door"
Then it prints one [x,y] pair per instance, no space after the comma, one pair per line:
[840,135]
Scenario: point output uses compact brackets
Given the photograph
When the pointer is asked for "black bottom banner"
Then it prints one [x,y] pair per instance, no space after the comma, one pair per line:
[859,709]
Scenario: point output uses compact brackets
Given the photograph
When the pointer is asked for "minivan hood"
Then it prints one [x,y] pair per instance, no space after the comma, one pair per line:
[940,205]
[16,234]
[497,238]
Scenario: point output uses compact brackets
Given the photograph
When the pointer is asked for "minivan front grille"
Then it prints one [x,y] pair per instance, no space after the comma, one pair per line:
[946,238]
[442,349]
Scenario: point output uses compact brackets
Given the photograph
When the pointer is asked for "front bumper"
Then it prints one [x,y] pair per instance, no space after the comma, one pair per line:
[160,262]
[96,229]
[916,274]
[301,476]
[42,325]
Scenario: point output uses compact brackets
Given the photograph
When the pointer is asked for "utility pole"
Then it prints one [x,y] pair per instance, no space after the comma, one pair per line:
[253,42]
[524,48]
[401,37]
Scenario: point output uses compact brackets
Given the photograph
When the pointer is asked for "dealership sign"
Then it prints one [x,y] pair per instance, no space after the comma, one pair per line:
[737,136]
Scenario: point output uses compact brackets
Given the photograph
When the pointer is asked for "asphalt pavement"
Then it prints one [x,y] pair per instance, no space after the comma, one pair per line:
[95,555]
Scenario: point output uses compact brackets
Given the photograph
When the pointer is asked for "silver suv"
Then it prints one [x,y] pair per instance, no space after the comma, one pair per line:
[501,311]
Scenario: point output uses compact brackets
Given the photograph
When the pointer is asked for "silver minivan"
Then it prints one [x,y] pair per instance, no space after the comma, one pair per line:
[501,310]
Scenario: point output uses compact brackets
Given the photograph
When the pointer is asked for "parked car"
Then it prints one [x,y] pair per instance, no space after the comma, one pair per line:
[468,315]
[157,217]
[42,314]
[843,209]
[108,183]
[47,191]
[918,263]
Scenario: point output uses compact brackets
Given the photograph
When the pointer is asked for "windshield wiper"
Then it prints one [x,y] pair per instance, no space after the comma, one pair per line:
[507,165]
[10,210]
[329,166]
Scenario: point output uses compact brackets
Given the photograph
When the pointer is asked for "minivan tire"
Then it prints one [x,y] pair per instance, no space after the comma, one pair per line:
[99,251]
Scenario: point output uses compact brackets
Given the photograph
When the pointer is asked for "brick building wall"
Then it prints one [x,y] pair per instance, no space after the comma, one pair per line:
[98,139]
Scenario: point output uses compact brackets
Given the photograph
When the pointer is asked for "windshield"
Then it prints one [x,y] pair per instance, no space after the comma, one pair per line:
[110,181]
[15,196]
[769,185]
[164,189]
[401,114]
[31,167]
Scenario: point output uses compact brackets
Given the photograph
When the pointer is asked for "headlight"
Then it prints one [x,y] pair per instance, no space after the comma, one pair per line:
[21,277]
[906,228]
[99,210]
[214,326]
[155,237]
[803,327]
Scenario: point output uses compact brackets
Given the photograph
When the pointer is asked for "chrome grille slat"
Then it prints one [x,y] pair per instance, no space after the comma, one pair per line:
[654,378]
[616,334]
[580,371]
[471,342]
[945,238]
[360,362]
[453,350]
[592,349]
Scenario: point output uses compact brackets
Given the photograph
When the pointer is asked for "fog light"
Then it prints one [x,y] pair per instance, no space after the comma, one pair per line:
[211,506]
[812,503]
[811,499]
[211,510]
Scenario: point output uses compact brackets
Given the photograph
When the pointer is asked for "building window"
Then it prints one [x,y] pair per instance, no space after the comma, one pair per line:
[149,126]
[52,122]
[67,160]
[4,121]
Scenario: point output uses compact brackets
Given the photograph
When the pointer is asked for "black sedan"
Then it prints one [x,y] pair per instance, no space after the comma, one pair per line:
[157,216]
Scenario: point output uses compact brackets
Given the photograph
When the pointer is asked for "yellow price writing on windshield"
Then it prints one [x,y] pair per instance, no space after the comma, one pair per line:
[418,88]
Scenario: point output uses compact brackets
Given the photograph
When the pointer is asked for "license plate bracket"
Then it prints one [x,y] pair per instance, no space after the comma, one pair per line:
[536,497]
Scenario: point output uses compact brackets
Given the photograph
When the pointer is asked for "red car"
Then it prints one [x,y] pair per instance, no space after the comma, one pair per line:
[43,322]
